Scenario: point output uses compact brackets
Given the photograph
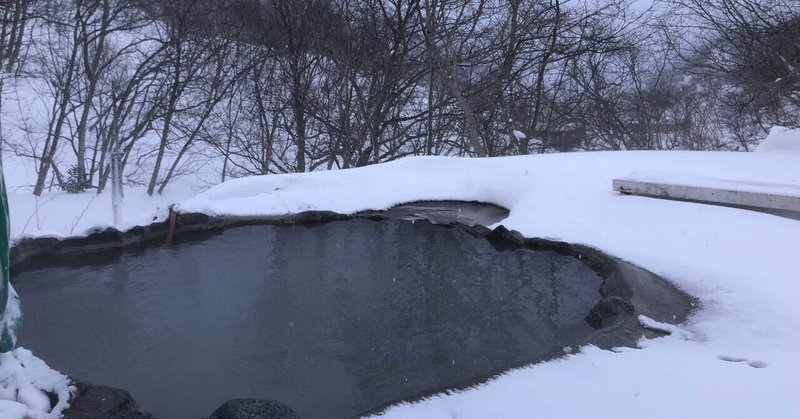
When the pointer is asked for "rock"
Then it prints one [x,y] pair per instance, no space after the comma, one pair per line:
[606,311]
[29,248]
[102,402]
[254,409]
[502,238]
[190,218]
[562,248]
[310,218]
[98,240]
[481,230]
[517,237]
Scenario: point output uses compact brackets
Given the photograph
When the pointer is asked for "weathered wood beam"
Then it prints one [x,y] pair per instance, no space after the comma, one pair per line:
[707,195]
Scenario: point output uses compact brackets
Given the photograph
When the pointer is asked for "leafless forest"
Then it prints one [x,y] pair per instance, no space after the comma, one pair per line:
[278,86]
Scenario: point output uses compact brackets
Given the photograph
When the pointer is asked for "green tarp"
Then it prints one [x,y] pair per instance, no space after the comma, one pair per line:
[10,312]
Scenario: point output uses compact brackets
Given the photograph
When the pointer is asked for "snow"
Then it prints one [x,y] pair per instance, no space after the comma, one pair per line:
[61,214]
[518,134]
[24,379]
[12,410]
[780,139]
[651,324]
[735,357]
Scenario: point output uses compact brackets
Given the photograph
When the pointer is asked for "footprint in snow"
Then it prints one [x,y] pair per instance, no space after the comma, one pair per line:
[731,358]
[754,364]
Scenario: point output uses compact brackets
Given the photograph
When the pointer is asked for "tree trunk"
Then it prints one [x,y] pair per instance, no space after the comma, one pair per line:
[451,81]
[539,89]
[170,111]
[300,123]
[16,45]
[92,75]
[151,187]
[470,120]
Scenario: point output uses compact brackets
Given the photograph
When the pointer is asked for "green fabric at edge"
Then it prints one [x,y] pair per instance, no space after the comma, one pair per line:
[10,313]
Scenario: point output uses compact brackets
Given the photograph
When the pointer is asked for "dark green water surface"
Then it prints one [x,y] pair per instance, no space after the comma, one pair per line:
[332,320]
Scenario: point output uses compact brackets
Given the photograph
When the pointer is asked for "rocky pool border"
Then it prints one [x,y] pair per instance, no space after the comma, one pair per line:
[627,291]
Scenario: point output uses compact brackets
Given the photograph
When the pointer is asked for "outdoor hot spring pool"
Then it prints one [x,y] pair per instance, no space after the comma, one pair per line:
[333,320]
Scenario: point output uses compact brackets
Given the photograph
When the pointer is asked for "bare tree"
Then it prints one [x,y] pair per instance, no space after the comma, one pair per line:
[60,59]
[15,18]
[217,81]
[451,29]
[185,51]
[751,44]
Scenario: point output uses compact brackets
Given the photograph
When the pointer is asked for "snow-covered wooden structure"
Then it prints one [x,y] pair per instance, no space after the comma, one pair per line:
[778,203]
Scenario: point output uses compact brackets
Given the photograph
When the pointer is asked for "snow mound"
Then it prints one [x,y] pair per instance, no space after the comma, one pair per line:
[25,381]
[781,140]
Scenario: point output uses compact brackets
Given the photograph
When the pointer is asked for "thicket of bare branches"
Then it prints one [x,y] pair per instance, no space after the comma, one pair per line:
[276,86]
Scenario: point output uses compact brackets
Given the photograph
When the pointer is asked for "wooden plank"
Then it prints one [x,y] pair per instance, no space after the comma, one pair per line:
[707,195]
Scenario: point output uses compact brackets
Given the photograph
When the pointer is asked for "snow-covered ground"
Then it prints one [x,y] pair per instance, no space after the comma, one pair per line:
[23,381]
[736,357]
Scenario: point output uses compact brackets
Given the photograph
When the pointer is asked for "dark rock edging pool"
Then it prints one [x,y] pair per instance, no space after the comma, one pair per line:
[110,241]
[254,408]
[626,290]
[94,402]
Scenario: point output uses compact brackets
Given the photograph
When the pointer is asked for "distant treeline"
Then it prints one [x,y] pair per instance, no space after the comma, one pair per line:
[277,86]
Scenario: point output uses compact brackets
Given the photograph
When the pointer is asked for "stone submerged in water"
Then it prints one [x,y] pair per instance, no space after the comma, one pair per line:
[95,402]
[254,409]
[102,402]
[607,310]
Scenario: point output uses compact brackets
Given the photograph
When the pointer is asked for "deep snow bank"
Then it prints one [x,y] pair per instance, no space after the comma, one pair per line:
[780,139]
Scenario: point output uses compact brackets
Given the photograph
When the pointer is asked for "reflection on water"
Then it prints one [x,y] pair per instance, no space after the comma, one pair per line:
[332,320]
